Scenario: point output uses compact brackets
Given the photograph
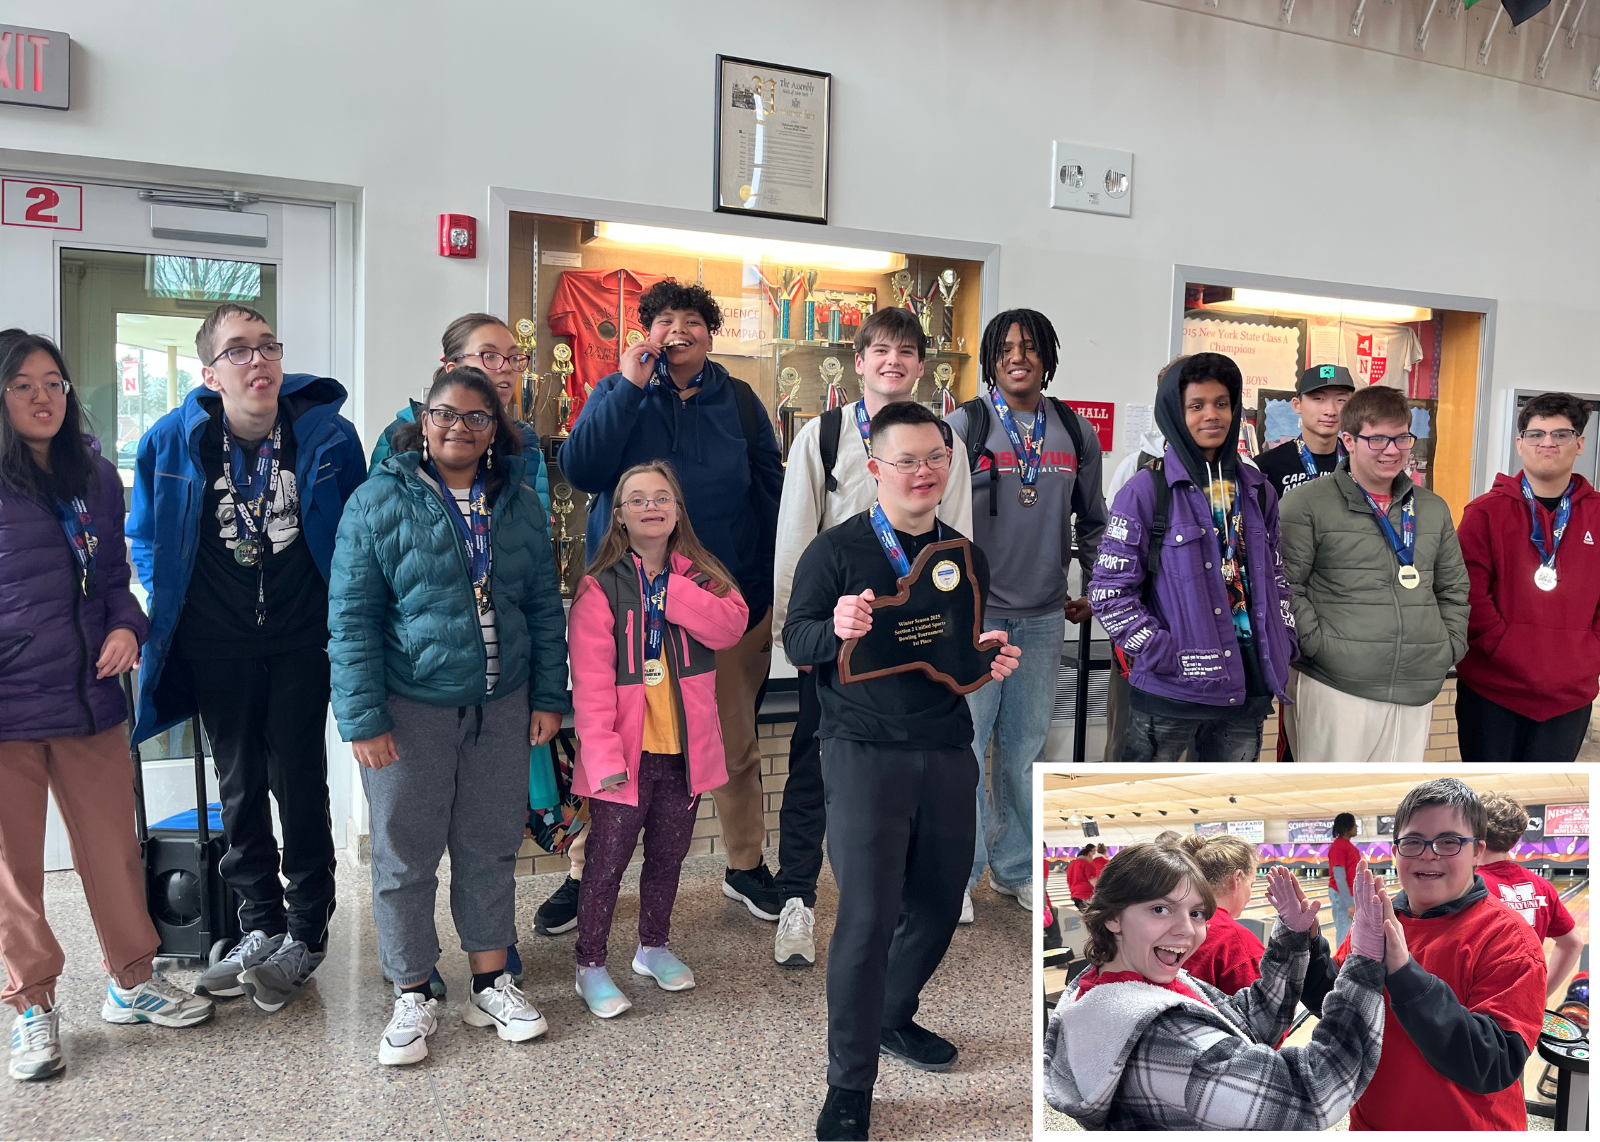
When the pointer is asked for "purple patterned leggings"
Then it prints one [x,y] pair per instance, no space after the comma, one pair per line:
[666,812]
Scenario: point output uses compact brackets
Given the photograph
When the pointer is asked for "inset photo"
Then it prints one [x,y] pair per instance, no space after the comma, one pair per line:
[1313,950]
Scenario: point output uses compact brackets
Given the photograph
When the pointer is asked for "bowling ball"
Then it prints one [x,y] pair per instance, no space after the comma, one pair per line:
[1578,989]
[178,897]
[1577,1012]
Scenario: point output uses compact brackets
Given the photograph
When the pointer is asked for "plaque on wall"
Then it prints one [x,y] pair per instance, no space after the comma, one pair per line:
[772,128]
[931,624]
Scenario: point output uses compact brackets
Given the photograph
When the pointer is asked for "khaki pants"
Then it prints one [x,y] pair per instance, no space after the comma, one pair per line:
[1330,725]
[741,670]
[92,778]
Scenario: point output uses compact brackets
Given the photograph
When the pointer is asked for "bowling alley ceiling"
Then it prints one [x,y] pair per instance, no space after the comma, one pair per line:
[1266,792]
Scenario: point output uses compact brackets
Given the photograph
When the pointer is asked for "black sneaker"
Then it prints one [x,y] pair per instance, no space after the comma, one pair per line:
[559,913]
[755,889]
[918,1047]
[845,1115]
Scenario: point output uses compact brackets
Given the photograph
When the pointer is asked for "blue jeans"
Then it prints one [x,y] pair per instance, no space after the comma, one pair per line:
[1340,903]
[1016,713]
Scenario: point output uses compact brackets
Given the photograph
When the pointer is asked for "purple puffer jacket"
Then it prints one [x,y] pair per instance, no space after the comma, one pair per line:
[1185,647]
[50,635]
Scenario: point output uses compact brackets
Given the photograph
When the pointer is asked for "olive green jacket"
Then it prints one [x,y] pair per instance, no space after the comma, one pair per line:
[1360,631]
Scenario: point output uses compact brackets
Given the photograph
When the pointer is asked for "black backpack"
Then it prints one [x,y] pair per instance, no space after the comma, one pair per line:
[828,443]
[978,414]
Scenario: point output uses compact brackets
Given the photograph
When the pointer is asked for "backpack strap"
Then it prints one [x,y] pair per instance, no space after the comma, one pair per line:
[828,444]
[749,409]
[1074,427]
[977,410]
[1157,533]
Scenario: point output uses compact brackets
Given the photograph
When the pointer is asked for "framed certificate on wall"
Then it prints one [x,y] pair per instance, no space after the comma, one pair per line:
[772,130]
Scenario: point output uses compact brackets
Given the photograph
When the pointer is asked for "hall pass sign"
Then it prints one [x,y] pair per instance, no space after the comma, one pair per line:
[50,205]
[1100,414]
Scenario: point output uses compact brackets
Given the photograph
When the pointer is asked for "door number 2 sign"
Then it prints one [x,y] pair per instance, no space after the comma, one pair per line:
[51,205]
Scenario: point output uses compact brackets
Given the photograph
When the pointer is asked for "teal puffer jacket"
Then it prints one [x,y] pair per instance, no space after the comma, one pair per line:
[401,614]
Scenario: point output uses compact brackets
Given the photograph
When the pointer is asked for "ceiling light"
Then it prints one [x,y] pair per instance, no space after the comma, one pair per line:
[702,244]
[1273,302]
[1163,812]
[1137,814]
[1196,812]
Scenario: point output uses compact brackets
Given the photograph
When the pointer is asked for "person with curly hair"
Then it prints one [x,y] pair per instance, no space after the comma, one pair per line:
[670,402]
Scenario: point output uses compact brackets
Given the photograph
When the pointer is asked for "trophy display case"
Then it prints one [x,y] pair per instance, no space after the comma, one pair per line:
[790,313]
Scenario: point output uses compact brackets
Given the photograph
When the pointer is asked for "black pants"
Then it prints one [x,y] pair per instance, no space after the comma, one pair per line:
[1490,732]
[900,837]
[802,819]
[266,719]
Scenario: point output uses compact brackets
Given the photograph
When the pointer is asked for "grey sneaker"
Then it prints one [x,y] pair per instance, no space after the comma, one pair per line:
[221,979]
[36,1045]
[795,946]
[276,980]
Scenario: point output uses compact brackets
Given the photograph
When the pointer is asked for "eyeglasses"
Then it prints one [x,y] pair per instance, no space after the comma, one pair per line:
[1443,846]
[1380,443]
[638,504]
[938,462]
[244,354]
[24,390]
[1559,437]
[446,418]
[494,361]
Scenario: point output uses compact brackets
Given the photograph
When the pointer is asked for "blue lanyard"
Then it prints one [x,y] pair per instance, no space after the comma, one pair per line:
[889,541]
[1404,544]
[1030,452]
[864,426]
[81,537]
[473,527]
[662,377]
[1559,524]
[655,609]
[259,482]
[1309,460]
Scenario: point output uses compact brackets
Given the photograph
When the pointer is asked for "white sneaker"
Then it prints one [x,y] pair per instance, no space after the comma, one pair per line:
[156,1000]
[507,1010]
[795,946]
[405,1040]
[1022,893]
[36,1045]
[966,909]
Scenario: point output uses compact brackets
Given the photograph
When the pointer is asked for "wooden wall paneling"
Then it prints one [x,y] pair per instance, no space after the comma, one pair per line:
[1457,409]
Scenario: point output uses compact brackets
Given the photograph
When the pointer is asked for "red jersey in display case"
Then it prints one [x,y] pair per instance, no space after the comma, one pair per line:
[597,309]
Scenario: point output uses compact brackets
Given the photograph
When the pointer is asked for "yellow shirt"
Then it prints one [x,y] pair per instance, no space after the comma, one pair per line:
[661,713]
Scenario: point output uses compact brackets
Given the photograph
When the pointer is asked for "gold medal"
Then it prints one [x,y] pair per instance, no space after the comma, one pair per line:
[1028,496]
[655,672]
[1409,577]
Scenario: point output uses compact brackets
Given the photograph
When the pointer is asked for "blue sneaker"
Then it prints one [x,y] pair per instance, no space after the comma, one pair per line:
[36,1045]
[596,988]
[156,1000]
[669,972]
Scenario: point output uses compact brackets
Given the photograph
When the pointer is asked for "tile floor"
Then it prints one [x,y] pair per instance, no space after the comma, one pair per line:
[741,1056]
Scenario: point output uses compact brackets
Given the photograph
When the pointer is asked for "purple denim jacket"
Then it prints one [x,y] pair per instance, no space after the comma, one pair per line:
[1184,646]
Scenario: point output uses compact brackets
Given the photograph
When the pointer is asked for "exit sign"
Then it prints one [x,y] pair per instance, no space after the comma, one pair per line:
[33,66]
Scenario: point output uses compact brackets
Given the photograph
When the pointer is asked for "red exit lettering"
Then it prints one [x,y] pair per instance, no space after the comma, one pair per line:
[14,55]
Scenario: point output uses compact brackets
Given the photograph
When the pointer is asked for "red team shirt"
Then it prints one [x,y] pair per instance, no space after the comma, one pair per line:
[1230,958]
[1488,956]
[1078,878]
[1100,863]
[594,308]
[1530,896]
[1342,852]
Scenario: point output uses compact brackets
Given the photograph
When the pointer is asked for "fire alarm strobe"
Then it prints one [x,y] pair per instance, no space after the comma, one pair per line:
[458,236]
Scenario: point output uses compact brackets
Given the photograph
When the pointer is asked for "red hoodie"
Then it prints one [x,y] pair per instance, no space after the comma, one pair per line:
[1078,879]
[1534,652]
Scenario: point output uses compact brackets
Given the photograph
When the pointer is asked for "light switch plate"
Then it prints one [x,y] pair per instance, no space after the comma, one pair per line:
[1095,179]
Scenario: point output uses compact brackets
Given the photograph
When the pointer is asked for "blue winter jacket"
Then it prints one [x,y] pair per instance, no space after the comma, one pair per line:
[538,479]
[731,496]
[168,501]
[402,615]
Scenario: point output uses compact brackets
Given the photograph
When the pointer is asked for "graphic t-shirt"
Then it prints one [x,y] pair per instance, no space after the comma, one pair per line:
[1529,895]
[595,308]
[661,714]
[1287,471]
[1374,354]
[219,611]
[1227,513]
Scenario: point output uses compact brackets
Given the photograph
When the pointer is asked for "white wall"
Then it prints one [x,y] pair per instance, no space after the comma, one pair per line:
[1255,151]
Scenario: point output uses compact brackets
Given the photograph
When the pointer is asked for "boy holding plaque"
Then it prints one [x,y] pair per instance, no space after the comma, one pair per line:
[897,764]
[1380,594]
[1529,677]
[236,500]
[826,482]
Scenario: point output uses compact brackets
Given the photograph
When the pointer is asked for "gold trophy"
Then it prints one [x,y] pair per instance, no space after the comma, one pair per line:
[563,369]
[901,284]
[561,506]
[943,376]
[528,391]
[789,387]
[831,372]
[949,282]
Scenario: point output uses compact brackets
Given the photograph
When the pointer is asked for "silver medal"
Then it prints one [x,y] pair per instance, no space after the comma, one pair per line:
[1545,578]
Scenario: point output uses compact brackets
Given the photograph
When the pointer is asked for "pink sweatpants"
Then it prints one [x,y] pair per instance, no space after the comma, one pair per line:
[92,778]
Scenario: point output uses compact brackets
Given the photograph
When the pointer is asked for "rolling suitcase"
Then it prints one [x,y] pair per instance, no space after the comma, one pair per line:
[193,909]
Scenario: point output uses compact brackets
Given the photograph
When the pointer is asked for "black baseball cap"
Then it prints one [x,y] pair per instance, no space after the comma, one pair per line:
[1324,377]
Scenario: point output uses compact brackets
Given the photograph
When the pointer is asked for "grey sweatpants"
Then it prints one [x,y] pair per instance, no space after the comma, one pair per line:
[457,785]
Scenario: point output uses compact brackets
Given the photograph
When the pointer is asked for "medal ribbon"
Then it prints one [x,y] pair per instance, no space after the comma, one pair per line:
[1404,544]
[663,376]
[260,483]
[1030,452]
[655,609]
[889,541]
[1558,528]
[1309,460]
[864,425]
[1229,520]
[81,537]
[474,530]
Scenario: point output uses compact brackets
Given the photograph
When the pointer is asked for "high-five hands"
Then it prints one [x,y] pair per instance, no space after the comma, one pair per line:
[1367,926]
[1284,893]
[1395,953]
